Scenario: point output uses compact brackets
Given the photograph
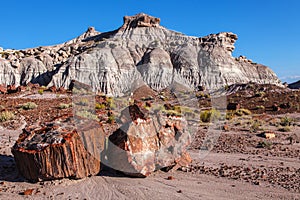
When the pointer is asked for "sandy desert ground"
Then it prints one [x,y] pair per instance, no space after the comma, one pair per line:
[242,165]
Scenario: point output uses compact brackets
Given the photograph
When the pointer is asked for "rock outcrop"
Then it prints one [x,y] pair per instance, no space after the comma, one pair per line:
[295,85]
[140,49]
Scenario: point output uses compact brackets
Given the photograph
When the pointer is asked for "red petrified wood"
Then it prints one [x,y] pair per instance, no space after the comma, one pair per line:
[147,144]
[57,150]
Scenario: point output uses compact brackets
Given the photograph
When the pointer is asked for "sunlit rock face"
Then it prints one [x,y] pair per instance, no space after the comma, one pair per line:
[141,49]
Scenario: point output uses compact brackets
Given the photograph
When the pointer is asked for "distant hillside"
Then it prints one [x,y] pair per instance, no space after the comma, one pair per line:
[295,85]
[141,49]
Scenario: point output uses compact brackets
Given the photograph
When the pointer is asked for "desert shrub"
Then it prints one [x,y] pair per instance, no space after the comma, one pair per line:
[210,115]
[261,107]
[64,106]
[110,102]
[264,144]
[6,116]
[229,115]
[259,94]
[226,87]
[286,121]
[111,119]
[242,111]
[40,91]
[172,112]
[285,129]
[99,106]
[255,126]
[202,95]
[83,102]
[28,106]
[87,114]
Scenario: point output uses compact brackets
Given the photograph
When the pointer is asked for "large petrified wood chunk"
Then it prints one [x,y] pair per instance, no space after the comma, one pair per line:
[145,145]
[59,150]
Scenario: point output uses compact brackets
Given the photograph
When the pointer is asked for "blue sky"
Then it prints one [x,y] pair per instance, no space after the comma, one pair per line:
[268,30]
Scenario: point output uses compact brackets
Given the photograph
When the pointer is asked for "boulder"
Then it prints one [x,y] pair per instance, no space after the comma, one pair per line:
[59,149]
[145,144]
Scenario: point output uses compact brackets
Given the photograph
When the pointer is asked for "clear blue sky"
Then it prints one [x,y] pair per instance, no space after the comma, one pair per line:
[268,30]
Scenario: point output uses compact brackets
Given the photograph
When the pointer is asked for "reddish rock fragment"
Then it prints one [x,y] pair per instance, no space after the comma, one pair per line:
[145,144]
[58,150]
[3,89]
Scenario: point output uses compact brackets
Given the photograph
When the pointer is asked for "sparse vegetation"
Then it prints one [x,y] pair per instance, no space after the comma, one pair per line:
[6,116]
[100,106]
[210,115]
[260,94]
[255,126]
[264,144]
[87,114]
[239,112]
[83,102]
[242,111]
[260,107]
[226,87]
[286,121]
[64,106]
[111,119]
[285,129]
[110,102]
[202,95]
[40,91]
[28,106]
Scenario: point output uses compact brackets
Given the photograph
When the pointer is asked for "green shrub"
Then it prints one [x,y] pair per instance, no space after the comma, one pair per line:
[229,115]
[40,91]
[255,126]
[28,106]
[111,103]
[111,119]
[172,112]
[99,106]
[286,121]
[210,115]
[6,116]
[226,87]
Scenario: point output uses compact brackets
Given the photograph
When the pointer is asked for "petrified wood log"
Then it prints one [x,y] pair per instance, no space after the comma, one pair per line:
[59,150]
[143,146]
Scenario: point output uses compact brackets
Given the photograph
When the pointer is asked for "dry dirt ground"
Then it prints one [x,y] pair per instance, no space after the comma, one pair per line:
[242,165]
